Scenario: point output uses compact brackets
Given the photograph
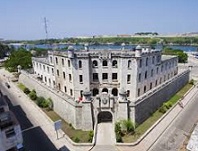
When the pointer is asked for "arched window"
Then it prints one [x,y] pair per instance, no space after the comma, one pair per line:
[129,64]
[105,90]
[104,63]
[114,63]
[95,91]
[80,64]
[95,63]
[115,91]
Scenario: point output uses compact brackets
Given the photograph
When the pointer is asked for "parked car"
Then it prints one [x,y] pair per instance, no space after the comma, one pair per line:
[7,85]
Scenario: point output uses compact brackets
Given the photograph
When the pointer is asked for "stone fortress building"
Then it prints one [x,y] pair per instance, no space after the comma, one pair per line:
[109,85]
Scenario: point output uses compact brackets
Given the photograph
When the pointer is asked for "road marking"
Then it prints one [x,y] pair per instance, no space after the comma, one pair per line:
[29,128]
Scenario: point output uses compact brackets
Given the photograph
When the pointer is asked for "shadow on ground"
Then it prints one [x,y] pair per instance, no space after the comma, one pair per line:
[34,137]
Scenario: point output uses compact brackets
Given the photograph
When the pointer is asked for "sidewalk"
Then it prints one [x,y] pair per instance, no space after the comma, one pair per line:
[152,137]
[38,117]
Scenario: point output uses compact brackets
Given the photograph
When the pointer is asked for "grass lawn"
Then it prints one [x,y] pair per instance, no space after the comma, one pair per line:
[75,135]
[141,129]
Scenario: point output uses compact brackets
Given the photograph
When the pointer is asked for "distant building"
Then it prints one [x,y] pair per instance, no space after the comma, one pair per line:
[10,130]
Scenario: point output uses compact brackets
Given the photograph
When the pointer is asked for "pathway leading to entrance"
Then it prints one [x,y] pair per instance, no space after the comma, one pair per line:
[105,134]
[105,139]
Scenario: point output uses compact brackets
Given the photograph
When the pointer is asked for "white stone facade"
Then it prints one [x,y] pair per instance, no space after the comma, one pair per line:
[104,80]
[105,70]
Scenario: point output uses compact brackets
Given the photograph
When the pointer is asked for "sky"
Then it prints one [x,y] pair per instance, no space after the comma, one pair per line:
[24,19]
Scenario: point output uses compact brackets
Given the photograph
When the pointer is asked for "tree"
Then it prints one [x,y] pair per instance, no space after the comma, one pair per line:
[20,57]
[5,50]
[182,56]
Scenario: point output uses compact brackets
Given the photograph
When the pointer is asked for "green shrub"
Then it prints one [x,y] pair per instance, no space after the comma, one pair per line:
[32,95]
[128,125]
[163,109]
[118,137]
[26,90]
[41,102]
[91,134]
[34,90]
[76,139]
[118,128]
[192,82]
[167,105]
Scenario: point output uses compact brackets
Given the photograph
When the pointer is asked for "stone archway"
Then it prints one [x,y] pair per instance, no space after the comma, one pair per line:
[105,116]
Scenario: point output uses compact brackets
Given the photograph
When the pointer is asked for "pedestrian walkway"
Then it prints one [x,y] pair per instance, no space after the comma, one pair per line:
[105,138]
[105,134]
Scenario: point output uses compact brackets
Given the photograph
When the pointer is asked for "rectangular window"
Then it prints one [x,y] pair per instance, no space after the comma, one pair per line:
[54,83]
[47,69]
[153,60]
[138,92]
[152,73]
[63,63]
[49,81]
[157,70]
[139,77]
[71,92]
[80,78]
[114,76]
[52,71]
[128,78]
[57,72]
[64,75]
[128,93]
[104,76]
[140,63]
[70,78]
[145,76]
[156,83]
[150,85]
[146,61]
[59,86]
[95,76]
[51,59]
[69,63]
[65,88]
[56,60]
[81,93]
[43,67]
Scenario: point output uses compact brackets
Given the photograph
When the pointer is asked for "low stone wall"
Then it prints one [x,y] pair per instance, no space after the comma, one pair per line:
[63,105]
[152,100]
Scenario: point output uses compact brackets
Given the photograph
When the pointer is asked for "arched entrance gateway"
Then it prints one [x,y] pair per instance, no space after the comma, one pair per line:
[105,116]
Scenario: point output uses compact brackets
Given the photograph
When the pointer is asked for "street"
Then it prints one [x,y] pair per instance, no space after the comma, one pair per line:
[34,137]
[179,130]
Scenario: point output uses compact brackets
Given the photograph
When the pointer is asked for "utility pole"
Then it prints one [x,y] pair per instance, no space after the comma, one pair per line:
[46,32]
